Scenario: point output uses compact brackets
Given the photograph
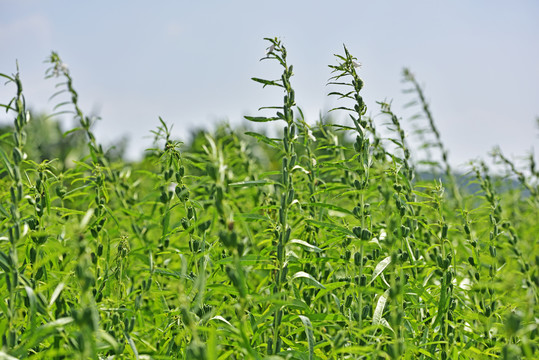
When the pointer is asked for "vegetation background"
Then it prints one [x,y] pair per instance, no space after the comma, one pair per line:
[324,242]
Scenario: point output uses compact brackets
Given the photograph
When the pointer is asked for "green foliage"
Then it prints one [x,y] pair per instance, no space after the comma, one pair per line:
[242,246]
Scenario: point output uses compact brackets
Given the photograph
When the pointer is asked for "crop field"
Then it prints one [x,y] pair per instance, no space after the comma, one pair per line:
[327,241]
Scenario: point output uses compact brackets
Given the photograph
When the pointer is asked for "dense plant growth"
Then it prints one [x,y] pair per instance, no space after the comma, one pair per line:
[322,243]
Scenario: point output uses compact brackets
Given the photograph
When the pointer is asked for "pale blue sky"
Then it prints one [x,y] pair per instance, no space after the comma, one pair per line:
[191,62]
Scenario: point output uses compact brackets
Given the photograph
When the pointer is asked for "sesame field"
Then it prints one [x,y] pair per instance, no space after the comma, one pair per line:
[329,240]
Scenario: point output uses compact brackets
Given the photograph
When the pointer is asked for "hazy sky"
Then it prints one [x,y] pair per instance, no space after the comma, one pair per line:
[190,62]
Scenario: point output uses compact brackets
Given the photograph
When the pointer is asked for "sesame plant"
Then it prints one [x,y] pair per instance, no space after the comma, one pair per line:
[327,241]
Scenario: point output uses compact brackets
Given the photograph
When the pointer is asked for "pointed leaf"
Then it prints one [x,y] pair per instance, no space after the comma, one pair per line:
[309,332]
[379,310]
[308,278]
[380,268]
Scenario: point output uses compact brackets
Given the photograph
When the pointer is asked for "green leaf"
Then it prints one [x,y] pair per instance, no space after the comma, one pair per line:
[380,268]
[330,226]
[7,163]
[309,332]
[250,183]
[131,344]
[308,278]
[56,293]
[267,82]
[261,118]
[305,244]
[379,310]
[264,139]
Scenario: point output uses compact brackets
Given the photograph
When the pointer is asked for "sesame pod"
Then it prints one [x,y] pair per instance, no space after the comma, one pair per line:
[348,301]
[366,311]
[185,223]
[363,280]
[293,159]
[33,255]
[280,251]
[17,156]
[190,212]
[357,259]
[366,235]
[347,255]
[285,144]
[290,196]
[284,272]
[357,184]
[448,277]
[445,264]
[405,231]
[439,261]
[492,250]
[444,231]
[404,256]
[471,261]
[13,196]
[292,130]
[357,231]
[282,219]
[287,234]
[100,250]
[285,176]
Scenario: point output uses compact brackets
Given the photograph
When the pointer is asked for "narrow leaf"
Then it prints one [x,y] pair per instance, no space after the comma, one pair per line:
[309,332]
[308,278]
[380,268]
[379,310]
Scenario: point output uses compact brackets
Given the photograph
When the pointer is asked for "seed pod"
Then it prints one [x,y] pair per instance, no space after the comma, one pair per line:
[357,231]
[33,255]
[492,250]
[366,311]
[17,156]
[445,264]
[471,261]
[357,259]
[363,280]
[448,277]
[366,235]
[444,231]
[290,196]
[185,223]
[404,256]
[287,234]
[405,231]
[439,261]
[100,250]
